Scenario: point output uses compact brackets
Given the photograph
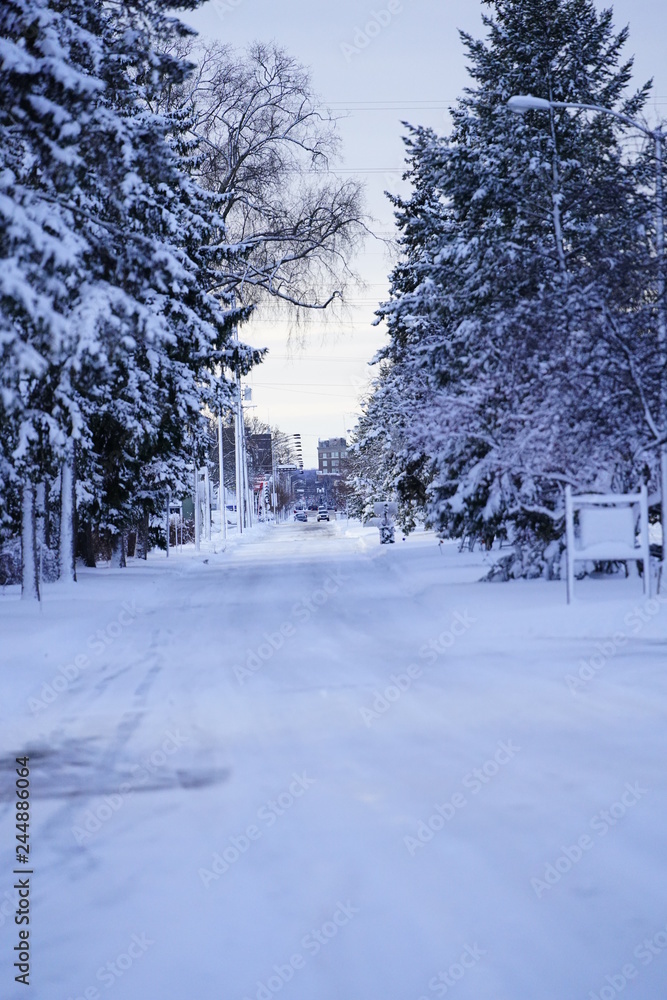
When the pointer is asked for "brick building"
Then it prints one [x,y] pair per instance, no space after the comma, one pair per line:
[331,455]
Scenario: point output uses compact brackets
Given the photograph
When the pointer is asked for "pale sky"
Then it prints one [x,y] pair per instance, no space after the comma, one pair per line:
[412,69]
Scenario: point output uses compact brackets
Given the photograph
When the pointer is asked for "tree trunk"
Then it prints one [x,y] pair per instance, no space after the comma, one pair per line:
[118,544]
[67,561]
[87,545]
[142,536]
[40,527]
[29,565]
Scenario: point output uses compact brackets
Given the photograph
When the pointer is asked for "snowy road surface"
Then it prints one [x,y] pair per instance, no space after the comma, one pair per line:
[317,768]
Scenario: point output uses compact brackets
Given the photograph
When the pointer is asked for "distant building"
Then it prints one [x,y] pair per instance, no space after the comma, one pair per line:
[331,455]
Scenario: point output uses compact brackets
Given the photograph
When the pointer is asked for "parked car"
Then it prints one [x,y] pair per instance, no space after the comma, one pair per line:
[300,515]
[322,514]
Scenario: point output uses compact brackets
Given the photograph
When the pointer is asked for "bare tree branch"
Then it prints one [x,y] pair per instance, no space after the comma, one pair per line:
[266,146]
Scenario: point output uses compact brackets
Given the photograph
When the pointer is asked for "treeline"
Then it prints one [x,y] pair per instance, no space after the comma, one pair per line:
[526,313]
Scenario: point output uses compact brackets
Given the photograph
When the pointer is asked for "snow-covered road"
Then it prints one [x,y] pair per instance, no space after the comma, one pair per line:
[315,767]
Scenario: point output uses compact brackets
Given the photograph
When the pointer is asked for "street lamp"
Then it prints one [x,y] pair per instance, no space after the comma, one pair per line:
[298,450]
[521,103]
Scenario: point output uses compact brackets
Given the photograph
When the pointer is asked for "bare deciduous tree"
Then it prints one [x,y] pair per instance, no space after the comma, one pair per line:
[267,146]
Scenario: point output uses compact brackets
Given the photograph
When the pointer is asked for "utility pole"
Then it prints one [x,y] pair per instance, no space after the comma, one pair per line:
[197,510]
[169,520]
[207,503]
[238,426]
[222,498]
[274,493]
[247,495]
[659,137]
[238,447]
[243,507]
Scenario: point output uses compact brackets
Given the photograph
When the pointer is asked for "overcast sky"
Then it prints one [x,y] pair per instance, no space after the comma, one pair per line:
[411,69]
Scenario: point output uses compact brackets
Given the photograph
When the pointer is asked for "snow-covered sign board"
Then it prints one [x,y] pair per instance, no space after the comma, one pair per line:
[380,509]
[612,527]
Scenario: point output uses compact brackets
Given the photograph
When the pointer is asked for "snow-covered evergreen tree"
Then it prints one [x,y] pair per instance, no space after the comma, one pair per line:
[518,333]
[110,336]
[43,99]
[380,464]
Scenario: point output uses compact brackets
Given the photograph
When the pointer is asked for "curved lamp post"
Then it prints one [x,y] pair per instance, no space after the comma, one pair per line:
[526,102]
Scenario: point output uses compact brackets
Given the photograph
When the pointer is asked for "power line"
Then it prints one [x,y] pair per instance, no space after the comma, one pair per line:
[363,170]
[426,104]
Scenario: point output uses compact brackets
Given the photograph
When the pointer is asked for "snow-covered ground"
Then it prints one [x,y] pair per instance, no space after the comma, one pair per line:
[314,767]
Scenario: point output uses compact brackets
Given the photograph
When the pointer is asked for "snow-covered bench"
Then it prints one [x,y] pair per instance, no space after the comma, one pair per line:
[608,531]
